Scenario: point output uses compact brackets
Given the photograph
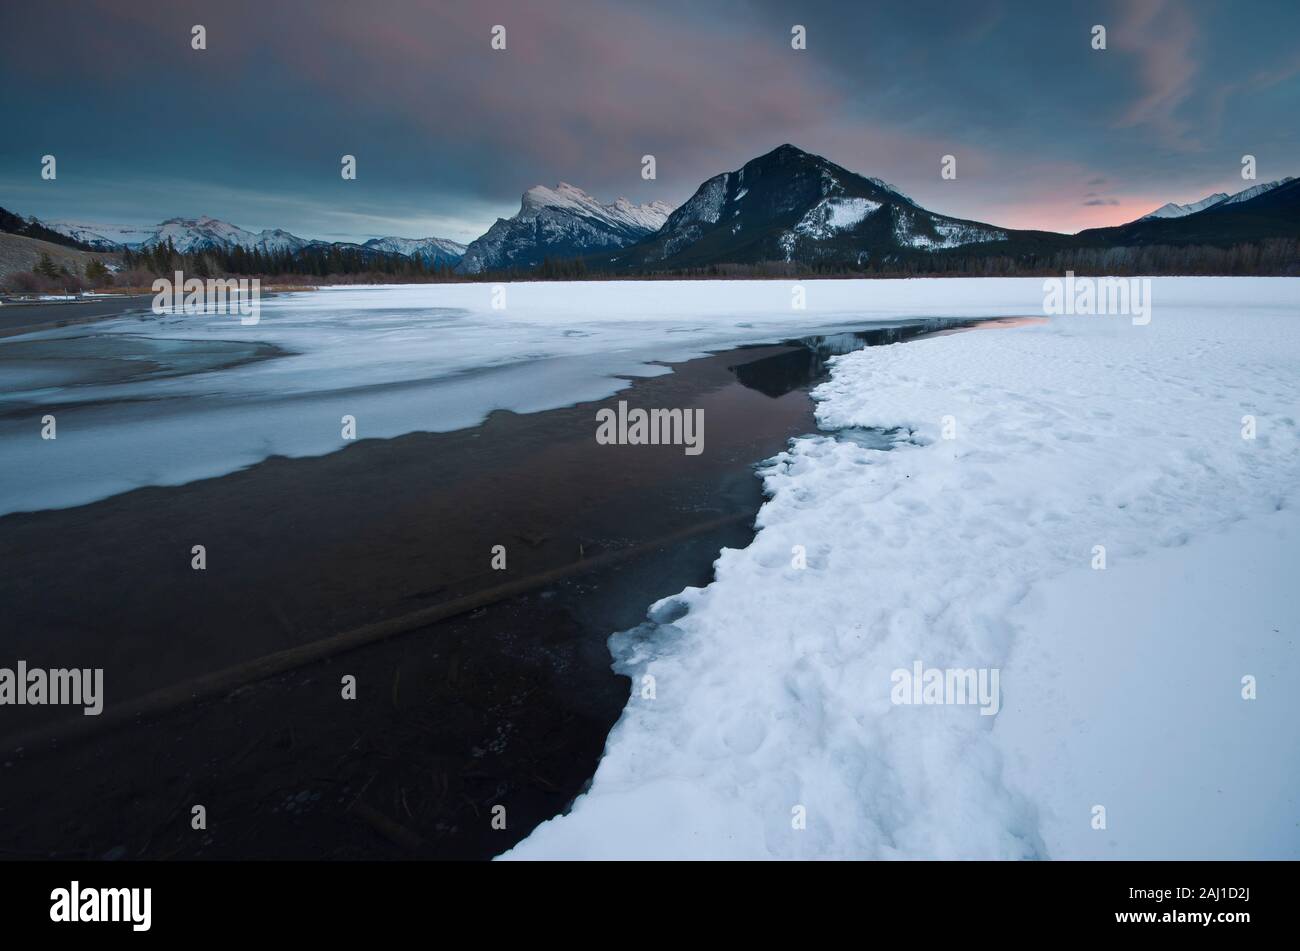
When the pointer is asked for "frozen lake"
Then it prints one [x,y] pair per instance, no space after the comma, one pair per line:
[149,400]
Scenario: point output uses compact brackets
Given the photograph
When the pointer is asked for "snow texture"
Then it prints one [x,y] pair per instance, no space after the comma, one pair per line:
[398,358]
[1119,687]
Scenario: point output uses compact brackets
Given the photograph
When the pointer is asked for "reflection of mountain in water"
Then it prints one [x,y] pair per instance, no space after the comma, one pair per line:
[806,362]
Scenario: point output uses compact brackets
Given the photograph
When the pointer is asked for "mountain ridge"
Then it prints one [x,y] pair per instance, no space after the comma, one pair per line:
[792,206]
[787,207]
[206,233]
[560,221]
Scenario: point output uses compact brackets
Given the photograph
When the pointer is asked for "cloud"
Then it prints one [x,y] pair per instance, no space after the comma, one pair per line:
[449,133]
[1162,36]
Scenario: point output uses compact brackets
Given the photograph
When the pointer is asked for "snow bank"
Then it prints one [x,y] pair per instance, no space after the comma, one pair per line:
[1120,687]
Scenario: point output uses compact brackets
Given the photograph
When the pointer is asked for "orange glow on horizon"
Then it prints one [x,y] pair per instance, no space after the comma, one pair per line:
[1070,216]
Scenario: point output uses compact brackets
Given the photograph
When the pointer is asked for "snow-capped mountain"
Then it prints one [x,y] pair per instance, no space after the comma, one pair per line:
[1218,199]
[1246,194]
[561,222]
[790,205]
[187,234]
[1175,210]
[1259,213]
[201,234]
[432,251]
[104,237]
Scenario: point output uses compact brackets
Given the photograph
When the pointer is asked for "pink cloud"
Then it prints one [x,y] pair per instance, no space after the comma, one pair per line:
[1163,37]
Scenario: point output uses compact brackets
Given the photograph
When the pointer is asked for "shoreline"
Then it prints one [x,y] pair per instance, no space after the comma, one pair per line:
[516,693]
[31,317]
[509,699]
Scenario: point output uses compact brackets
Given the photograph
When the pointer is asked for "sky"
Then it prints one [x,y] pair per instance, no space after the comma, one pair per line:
[1047,132]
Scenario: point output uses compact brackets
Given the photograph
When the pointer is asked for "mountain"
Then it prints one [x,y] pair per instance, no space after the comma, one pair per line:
[432,251]
[32,228]
[790,205]
[1246,194]
[187,234]
[201,234]
[1261,212]
[1174,210]
[560,222]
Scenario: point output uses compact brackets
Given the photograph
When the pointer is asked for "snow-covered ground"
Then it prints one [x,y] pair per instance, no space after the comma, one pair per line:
[431,357]
[766,701]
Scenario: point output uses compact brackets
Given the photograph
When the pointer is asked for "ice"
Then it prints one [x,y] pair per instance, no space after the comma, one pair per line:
[431,357]
[1120,687]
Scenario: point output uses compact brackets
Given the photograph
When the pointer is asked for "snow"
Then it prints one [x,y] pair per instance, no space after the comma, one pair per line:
[951,234]
[706,205]
[430,249]
[187,234]
[621,214]
[1246,194]
[398,358]
[832,215]
[563,221]
[1120,687]
[105,236]
[190,234]
[1174,210]
[1206,775]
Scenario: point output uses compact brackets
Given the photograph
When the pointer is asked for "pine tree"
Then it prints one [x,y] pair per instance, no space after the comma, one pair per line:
[46,267]
[96,272]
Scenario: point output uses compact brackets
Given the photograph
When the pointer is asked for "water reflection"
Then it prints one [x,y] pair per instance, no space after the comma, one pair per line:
[805,363]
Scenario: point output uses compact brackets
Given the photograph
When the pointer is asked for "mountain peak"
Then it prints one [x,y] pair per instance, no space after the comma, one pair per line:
[783,154]
[561,221]
[562,195]
[790,205]
[1254,191]
[1174,210]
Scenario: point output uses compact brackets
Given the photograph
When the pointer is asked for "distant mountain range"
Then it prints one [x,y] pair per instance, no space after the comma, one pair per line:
[1263,211]
[201,234]
[787,206]
[1172,210]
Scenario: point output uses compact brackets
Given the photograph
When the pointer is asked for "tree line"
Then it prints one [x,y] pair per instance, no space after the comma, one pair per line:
[317,260]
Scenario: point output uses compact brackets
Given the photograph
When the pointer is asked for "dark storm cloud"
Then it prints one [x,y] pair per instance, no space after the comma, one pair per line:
[448,133]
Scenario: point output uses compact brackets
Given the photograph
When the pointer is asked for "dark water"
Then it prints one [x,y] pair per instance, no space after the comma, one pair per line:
[805,360]
[507,701]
